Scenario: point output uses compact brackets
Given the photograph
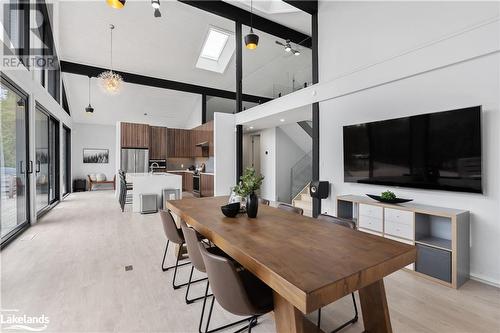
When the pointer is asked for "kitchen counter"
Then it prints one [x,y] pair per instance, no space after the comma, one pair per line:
[149,183]
[190,171]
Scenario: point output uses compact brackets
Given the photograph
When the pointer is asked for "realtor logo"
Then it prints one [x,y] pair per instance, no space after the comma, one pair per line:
[14,320]
[27,36]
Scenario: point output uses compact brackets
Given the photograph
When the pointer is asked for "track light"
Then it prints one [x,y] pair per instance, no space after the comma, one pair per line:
[288,48]
[296,53]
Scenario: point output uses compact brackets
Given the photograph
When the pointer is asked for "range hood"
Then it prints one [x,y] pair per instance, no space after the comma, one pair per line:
[202,144]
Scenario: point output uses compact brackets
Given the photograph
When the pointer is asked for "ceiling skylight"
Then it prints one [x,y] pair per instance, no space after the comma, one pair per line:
[217,50]
[214,44]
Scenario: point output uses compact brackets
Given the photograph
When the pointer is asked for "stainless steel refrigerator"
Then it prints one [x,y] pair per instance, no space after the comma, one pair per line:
[135,160]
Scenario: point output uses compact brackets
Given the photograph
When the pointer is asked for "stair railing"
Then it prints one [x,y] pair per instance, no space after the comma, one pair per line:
[300,175]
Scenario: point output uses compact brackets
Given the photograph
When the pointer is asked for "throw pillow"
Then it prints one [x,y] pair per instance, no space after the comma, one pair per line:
[92,177]
[100,177]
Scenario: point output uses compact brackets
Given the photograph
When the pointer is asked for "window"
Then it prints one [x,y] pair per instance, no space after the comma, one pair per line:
[217,50]
[214,44]
[16,24]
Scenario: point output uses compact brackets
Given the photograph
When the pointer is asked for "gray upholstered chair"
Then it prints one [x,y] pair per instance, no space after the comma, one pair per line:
[175,236]
[192,240]
[237,291]
[348,223]
[291,209]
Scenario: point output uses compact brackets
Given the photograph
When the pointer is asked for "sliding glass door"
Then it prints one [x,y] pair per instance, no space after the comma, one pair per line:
[46,159]
[66,159]
[14,164]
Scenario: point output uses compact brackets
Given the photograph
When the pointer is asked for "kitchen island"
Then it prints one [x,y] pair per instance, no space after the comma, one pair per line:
[152,183]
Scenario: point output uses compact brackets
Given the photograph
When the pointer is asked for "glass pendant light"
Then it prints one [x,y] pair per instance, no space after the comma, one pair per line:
[111,82]
[251,40]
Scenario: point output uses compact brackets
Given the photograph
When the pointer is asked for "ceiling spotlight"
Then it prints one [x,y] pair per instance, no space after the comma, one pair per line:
[297,53]
[288,48]
[117,4]
[251,40]
[282,120]
[251,127]
[155,4]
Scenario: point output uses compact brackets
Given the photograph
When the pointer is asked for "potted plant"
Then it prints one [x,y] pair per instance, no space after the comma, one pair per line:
[249,183]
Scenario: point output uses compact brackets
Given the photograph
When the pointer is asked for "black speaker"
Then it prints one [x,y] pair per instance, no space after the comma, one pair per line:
[319,189]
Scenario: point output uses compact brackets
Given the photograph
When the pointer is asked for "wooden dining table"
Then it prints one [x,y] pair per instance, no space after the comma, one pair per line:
[307,262]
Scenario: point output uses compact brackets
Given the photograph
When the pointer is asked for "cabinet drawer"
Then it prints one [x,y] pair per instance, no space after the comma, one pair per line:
[434,262]
[371,223]
[371,211]
[399,216]
[399,229]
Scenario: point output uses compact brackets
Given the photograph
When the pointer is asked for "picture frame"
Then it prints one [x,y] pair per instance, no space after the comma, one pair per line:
[95,156]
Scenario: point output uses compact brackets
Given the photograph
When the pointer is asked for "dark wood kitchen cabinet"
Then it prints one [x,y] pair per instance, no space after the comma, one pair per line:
[158,143]
[203,134]
[179,143]
[187,181]
[134,135]
[206,185]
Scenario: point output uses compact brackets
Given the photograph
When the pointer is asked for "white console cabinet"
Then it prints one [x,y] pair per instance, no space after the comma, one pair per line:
[441,235]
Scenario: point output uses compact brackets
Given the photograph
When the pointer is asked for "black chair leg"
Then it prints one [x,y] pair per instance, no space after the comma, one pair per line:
[253,319]
[189,301]
[177,286]
[163,268]
[347,323]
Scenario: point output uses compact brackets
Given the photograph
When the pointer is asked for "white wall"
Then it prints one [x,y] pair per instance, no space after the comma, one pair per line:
[288,152]
[224,153]
[194,119]
[371,44]
[93,136]
[268,163]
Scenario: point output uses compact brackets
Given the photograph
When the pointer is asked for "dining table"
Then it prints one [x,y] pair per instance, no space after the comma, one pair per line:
[307,262]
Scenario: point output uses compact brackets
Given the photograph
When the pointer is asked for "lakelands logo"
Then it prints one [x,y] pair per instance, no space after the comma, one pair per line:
[13,319]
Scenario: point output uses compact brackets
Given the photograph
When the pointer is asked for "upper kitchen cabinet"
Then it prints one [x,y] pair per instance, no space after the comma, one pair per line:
[135,135]
[179,143]
[158,143]
[202,138]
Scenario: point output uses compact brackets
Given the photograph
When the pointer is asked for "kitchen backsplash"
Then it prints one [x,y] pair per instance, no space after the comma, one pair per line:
[184,163]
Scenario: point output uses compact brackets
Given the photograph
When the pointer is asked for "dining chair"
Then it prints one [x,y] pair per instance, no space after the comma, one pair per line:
[291,208]
[175,236]
[237,291]
[348,223]
[263,201]
[192,240]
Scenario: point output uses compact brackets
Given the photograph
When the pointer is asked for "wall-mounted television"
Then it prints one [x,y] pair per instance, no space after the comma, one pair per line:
[440,150]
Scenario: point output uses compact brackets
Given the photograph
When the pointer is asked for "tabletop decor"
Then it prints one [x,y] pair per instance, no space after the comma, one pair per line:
[388,197]
[249,183]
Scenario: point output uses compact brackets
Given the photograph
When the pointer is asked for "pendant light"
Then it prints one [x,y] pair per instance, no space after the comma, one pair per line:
[89,109]
[251,40]
[110,81]
[156,6]
[117,4]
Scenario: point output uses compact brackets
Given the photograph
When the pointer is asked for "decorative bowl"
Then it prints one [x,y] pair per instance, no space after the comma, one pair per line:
[231,210]
[393,201]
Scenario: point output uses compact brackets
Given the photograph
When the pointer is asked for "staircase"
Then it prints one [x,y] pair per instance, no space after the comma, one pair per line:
[304,200]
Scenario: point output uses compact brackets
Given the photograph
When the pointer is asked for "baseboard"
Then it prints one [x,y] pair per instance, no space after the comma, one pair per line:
[485,280]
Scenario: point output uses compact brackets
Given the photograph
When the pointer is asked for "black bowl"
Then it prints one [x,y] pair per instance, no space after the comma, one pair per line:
[231,210]
[393,201]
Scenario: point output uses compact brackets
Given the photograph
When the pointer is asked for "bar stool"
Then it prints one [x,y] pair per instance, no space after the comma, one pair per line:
[175,236]
[237,291]
[348,224]
[291,209]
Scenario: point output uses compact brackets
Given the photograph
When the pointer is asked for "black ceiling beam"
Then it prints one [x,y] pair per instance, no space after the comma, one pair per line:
[226,10]
[93,71]
[308,6]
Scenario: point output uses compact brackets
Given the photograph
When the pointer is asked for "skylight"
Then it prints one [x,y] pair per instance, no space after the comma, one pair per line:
[217,50]
[214,44]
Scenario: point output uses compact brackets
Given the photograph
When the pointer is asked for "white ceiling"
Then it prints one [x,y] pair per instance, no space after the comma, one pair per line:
[279,119]
[166,47]
[163,107]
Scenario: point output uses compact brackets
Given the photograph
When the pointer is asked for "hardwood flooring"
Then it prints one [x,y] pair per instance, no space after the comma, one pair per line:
[71,267]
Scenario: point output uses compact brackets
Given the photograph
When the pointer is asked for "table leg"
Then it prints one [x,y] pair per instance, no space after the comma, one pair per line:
[374,306]
[289,319]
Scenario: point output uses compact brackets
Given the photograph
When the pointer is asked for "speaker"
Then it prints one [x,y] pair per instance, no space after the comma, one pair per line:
[319,189]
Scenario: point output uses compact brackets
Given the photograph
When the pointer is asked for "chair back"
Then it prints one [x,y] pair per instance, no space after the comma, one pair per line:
[170,228]
[191,237]
[338,220]
[263,201]
[291,208]
[226,284]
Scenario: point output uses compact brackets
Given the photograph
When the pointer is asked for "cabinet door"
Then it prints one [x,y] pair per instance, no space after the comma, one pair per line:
[188,182]
[158,143]
[206,185]
[134,135]
[171,142]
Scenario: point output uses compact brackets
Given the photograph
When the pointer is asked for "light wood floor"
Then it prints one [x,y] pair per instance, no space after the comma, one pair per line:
[70,267]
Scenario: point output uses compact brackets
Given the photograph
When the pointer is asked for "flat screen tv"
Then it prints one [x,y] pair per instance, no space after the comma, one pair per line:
[439,151]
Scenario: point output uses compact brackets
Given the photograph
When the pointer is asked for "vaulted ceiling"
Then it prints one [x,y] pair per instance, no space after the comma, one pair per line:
[166,47]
